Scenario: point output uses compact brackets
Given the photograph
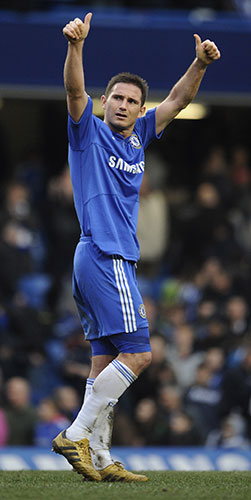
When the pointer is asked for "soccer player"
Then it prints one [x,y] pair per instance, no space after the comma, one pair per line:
[106,161]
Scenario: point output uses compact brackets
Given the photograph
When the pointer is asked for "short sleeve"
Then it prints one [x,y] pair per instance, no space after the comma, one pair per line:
[146,127]
[79,133]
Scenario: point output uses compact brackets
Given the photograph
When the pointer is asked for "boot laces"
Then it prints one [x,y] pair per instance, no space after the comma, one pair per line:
[119,465]
[84,452]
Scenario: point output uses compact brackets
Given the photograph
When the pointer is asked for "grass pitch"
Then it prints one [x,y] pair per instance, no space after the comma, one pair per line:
[162,485]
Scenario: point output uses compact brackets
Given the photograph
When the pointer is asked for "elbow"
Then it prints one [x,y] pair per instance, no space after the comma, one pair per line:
[183,103]
[74,93]
[179,103]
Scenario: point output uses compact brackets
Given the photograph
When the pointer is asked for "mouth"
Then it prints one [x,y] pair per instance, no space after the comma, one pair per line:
[120,115]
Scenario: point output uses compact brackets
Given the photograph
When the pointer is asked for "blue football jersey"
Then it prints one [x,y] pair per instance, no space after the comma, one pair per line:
[106,172]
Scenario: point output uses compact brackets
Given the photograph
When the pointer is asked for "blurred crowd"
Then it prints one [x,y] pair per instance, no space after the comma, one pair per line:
[195,277]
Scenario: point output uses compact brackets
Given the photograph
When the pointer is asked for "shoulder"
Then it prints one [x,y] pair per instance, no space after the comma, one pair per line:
[146,121]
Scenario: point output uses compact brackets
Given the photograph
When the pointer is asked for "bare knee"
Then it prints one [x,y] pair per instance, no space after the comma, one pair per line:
[137,362]
[146,358]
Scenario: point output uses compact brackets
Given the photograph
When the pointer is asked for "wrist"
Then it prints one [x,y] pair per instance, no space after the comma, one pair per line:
[76,42]
[202,65]
[76,47]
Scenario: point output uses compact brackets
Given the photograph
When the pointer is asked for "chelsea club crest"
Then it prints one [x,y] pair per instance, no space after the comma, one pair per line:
[134,141]
[142,311]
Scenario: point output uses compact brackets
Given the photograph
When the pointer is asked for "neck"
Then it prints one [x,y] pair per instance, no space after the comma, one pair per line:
[124,132]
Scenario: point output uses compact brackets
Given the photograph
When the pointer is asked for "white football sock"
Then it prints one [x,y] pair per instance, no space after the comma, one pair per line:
[101,438]
[88,387]
[100,442]
[109,385]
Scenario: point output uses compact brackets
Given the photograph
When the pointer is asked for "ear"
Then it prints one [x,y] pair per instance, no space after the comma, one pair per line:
[103,101]
[142,111]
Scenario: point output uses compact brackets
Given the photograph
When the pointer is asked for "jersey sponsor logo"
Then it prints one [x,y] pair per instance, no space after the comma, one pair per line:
[134,141]
[142,311]
[120,164]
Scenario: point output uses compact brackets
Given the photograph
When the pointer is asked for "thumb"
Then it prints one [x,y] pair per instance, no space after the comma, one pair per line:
[88,18]
[197,39]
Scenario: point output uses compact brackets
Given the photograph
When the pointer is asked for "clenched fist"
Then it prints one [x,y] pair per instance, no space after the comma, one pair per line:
[206,51]
[77,30]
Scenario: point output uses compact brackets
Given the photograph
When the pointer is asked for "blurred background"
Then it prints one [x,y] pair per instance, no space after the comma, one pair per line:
[194,224]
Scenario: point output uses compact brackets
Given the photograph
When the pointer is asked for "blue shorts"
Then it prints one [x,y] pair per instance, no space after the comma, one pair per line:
[122,342]
[106,293]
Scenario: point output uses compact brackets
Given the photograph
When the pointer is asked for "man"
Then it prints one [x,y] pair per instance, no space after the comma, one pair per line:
[106,160]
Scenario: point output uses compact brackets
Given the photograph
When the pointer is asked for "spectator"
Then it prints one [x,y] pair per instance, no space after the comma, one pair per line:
[170,399]
[182,431]
[236,387]
[62,230]
[201,217]
[170,402]
[20,414]
[50,422]
[15,257]
[231,434]
[216,171]
[153,228]
[171,318]
[202,401]
[147,422]
[206,311]
[181,356]
[238,318]
[240,168]
[76,365]
[216,363]
[67,401]
[43,375]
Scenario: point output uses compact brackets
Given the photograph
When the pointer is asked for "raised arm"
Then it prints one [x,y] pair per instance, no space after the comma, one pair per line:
[75,32]
[187,87]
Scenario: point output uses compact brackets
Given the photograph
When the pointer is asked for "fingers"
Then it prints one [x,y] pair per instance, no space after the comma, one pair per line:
[208,47]
[77,30]
[76,27]
[211,50]
[72,29]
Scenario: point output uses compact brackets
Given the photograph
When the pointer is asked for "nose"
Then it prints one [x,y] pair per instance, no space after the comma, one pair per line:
[123,104]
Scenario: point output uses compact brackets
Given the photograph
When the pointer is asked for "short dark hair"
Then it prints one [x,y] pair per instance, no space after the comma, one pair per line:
[126,77]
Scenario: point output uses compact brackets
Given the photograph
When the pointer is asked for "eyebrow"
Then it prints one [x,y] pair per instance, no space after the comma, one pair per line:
[129,98]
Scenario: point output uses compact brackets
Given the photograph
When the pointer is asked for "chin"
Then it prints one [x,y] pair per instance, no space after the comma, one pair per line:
[119,126]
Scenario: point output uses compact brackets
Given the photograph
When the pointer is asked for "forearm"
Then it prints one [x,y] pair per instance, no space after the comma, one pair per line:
[187,87]
[76,32]
[73,71]
[181,94]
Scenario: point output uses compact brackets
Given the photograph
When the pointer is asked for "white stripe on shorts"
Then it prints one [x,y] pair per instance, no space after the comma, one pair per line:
[129,297]
[125,296]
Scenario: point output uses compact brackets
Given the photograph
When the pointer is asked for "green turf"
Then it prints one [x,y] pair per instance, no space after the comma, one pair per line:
[164,485]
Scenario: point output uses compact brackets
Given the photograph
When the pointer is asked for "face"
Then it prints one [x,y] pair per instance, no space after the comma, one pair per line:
[122,107]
